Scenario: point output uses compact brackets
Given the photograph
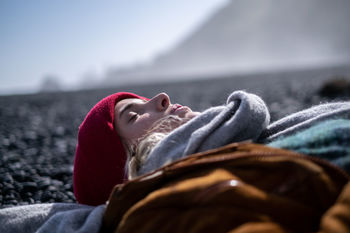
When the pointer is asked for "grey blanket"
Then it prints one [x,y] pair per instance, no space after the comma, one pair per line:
[305,119]
[243,117]
[51,218]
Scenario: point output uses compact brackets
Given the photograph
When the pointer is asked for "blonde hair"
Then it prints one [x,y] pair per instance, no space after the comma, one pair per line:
[137,152]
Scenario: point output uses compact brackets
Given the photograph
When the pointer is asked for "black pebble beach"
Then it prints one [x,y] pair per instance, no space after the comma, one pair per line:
[39,131]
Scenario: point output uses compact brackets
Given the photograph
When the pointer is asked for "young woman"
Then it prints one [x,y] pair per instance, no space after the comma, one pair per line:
[109,131]
[126,135]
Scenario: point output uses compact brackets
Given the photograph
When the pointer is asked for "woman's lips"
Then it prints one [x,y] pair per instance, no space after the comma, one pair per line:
[176,107]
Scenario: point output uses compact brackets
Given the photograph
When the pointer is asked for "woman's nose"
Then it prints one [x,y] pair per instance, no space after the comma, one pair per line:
[161,101]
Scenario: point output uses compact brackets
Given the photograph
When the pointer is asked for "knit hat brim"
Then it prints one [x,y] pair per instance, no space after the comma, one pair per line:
[100,156]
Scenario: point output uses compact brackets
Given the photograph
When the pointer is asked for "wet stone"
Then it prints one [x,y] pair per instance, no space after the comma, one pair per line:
[9,197]
[70,195]
[60,197]
[12,202]
[7,188]
[18,186]
[45,172]
[37,196]
[7,178]
[19,175]
[30,200]
[29,187]
[23,203]
[68,187]
[45,197]
[52,188]
[56,183]
[61,173]
[30,152]
[44,182]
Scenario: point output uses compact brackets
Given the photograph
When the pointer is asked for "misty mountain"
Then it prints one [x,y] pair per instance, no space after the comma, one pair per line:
[255,34]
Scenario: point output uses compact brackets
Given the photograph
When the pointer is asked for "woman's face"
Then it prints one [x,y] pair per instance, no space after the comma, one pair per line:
[135,116]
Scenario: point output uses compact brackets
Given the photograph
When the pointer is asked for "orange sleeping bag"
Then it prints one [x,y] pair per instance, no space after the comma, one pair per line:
[241,187]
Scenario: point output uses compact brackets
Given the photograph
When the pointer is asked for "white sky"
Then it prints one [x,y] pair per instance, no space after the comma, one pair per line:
[70,38]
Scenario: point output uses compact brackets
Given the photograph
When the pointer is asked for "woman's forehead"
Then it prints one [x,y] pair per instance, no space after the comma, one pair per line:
[125,104]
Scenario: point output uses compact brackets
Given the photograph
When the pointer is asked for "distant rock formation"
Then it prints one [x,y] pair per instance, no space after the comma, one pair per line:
[337,86]
[256,34]
[50,83]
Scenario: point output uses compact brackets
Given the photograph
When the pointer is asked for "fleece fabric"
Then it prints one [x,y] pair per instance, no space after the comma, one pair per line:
[305,119]
[329,140]
[243,117]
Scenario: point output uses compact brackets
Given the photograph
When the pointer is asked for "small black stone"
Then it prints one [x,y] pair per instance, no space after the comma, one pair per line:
[7,188]
[29,187]
[46,196]
[44,182]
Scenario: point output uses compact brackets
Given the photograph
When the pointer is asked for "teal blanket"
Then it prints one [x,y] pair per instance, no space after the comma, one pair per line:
[329,140]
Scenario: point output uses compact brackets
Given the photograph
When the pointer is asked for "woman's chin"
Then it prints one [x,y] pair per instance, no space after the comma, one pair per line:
[191,114]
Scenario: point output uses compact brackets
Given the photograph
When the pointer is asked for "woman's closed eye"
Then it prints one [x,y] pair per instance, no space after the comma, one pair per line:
[133,117]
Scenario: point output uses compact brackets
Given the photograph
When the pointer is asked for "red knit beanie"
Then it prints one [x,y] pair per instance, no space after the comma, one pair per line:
[100,156]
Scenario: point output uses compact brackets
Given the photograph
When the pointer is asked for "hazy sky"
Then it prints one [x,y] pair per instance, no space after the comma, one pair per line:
[73,38]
